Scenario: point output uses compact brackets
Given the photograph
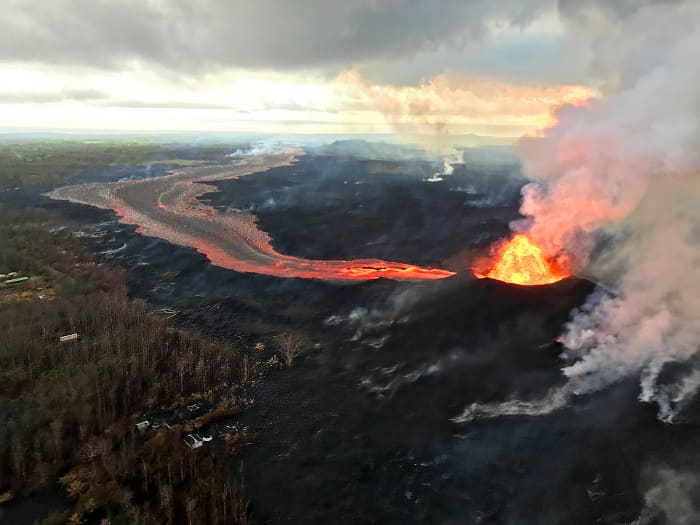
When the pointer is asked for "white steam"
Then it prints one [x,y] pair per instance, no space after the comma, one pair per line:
[594,171]
[554,400]
[259,148]
[447,169]
[594,166]
[672,500]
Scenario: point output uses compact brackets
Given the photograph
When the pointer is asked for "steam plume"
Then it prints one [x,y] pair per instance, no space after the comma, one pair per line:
[554,400]
[444,111]
[672,499]
[593,172]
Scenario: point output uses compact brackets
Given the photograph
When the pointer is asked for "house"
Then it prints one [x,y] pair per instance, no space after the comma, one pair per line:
[192,442]
[70,338]
[17,280]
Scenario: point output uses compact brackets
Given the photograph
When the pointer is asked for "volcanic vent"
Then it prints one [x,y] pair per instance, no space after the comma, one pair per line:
[520,261]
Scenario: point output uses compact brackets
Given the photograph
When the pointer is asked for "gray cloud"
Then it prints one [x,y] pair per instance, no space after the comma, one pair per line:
[81,95]
[522,57]
[398,41]
[265,34]
[579,9]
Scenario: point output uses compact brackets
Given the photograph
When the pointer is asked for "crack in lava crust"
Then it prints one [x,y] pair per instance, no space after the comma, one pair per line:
[167,207]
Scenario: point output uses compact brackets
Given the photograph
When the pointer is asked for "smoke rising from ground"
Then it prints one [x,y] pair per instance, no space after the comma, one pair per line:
[554,400]
[672,499]
[627,164]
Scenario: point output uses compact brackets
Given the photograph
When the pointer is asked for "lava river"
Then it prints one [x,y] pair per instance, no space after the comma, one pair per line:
[167,207]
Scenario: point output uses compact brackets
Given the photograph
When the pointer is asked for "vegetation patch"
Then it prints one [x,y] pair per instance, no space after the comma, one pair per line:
[33,161]
[68,409]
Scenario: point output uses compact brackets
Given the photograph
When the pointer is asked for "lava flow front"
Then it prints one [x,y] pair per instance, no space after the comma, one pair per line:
[520,261]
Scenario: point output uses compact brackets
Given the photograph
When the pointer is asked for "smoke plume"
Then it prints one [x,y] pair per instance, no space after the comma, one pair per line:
[554,400]
[443,112]
[625,166]
[672,499]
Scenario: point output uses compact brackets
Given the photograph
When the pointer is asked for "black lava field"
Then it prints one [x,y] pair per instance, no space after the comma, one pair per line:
[361,429]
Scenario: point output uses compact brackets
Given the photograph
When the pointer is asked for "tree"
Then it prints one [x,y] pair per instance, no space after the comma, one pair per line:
[290,345]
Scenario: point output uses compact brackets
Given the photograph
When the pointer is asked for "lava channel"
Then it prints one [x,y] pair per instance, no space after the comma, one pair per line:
[167,207]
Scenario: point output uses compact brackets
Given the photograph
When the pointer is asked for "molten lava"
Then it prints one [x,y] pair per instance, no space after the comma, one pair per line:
[520,261]
[169,207]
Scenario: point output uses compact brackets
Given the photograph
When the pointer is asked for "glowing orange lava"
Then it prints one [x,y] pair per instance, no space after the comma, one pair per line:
[520,261]
[169,207]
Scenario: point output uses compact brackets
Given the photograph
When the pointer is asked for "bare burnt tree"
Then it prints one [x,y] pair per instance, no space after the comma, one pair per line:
[290,345]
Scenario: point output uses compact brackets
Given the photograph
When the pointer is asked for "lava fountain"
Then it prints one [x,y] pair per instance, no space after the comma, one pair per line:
[520,261]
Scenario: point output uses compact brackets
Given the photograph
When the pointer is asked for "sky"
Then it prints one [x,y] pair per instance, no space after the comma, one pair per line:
[487,67]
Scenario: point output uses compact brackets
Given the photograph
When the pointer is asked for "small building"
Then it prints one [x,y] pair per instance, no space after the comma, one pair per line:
[192,441]
[70,338]
[17,280]
[142,426]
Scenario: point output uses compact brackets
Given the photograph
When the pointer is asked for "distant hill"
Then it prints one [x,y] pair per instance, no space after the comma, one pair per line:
[371,150]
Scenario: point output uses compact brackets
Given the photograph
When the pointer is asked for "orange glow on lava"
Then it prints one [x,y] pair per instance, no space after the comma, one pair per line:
[520,261]
[168,207]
